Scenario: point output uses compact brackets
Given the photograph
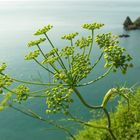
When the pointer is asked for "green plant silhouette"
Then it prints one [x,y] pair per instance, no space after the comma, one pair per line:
[66,69]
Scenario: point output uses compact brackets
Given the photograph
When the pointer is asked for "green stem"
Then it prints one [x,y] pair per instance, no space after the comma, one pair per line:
[69,62]
[109,123]
[9,90]
[61,62]
[36,116]
[49,75]
[34,83]
[97,79]
[111,133]
[83,101]
[46,58]
[55,68]
[26,93]
[43,66]
[41,51]
[38,96]
[38,91]
[91,46]
[96,107]
[30,94]
[71,42]
[24,112]
[97,61]
[85,123]
[84,49]
[108,117]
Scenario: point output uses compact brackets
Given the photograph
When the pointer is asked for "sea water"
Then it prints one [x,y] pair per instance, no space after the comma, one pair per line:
[20,19]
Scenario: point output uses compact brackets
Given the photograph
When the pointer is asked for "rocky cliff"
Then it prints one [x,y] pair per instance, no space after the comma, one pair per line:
[129,25]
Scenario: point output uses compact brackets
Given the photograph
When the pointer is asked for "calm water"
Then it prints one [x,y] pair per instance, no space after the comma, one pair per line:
[18,22]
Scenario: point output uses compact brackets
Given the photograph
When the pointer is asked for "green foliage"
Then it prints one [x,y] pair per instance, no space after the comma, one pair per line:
[43,30]
[2,67]
[106,40]
[32,55]
[84,42]
[36,42]
[92,26]
[67,51]
[113,54]
[21,92]
[52,52]
[81,67]
[125,123]
[50,59]
[58,98]
[5,80]
[70,36]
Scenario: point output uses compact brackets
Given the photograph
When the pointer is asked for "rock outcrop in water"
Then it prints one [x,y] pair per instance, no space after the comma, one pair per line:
[129,25]
[124,35]
[137,22]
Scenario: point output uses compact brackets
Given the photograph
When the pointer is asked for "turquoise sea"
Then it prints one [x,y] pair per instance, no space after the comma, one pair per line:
[20,19]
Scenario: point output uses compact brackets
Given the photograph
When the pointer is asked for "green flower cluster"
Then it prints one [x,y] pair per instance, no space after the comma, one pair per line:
[36,42]
[52,52]
[60,75]
[51,57]
[67,51]
[106,40]
[2,67]
[69,36]
[44,30]
[92,26]
[32,55]
[115,55]
[5,80]
[81,67]
[58,99]
[50,60]
[83,42]
[22,92]
[4,101]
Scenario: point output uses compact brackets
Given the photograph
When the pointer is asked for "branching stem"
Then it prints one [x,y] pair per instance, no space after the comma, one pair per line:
[36,116]
[91,43]
[97,79]
[61,62]
[43,66]
[83,101]
[98,60]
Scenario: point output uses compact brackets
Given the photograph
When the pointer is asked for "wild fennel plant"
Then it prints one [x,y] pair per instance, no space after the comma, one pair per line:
[66,69]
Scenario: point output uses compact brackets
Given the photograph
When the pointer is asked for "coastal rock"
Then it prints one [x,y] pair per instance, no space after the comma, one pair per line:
[127,22]
[137,22]
[129,25]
